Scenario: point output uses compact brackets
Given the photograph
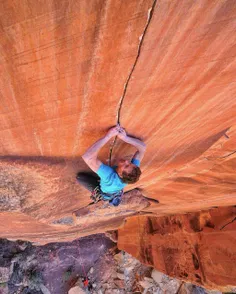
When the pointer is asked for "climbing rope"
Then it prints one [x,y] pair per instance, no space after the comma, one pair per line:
[85,281]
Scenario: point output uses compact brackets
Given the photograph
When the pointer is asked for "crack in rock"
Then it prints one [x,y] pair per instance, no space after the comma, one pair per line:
[141,39]
[227,155]
[228,223]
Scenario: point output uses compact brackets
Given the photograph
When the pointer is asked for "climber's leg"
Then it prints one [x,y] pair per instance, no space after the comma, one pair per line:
[88,180]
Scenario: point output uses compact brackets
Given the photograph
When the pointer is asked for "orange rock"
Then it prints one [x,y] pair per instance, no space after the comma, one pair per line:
[64,68]
[185,247]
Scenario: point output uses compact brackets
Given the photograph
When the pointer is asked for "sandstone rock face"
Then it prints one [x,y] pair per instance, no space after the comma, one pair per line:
[70,69]
[166,71]
[48,215]
[196,247]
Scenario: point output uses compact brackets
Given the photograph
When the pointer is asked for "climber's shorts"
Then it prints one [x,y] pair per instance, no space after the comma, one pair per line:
[114,198]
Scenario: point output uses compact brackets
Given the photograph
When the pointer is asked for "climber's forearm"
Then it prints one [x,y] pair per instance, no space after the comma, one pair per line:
[94,149]
[140,145]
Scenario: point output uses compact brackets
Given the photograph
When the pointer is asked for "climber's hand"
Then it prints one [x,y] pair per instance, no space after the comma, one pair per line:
[112,132]
[119,128]
[122,133]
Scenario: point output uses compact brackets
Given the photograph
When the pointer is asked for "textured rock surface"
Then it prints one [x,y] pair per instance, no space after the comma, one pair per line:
[196,247]
[56,268]
[70,69]
[63,69]
[49,212]
[50,269]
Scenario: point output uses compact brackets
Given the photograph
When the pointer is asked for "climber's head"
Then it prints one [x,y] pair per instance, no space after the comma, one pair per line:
[128,172]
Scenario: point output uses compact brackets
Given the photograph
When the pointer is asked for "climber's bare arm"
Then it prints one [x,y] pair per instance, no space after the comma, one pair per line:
[139,155]
[90,156]
[140,145]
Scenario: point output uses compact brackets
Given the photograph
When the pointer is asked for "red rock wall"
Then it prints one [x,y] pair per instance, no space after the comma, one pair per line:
[196,247]
[63,69]
[181,101]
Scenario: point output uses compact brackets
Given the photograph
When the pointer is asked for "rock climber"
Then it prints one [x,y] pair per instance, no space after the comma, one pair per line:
[112,179]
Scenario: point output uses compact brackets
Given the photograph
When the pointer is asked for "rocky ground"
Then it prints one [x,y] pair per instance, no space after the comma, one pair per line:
[50,269]
[60,268]
[123,274]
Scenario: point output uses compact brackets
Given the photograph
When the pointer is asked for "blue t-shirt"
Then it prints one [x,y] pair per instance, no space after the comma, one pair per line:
[110,181]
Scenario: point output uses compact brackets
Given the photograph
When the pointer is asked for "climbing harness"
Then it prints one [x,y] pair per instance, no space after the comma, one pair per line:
[96,195]
[85,280]
[114,198]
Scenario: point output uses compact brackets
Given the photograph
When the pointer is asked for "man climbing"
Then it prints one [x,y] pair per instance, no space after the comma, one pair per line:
[112,179]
